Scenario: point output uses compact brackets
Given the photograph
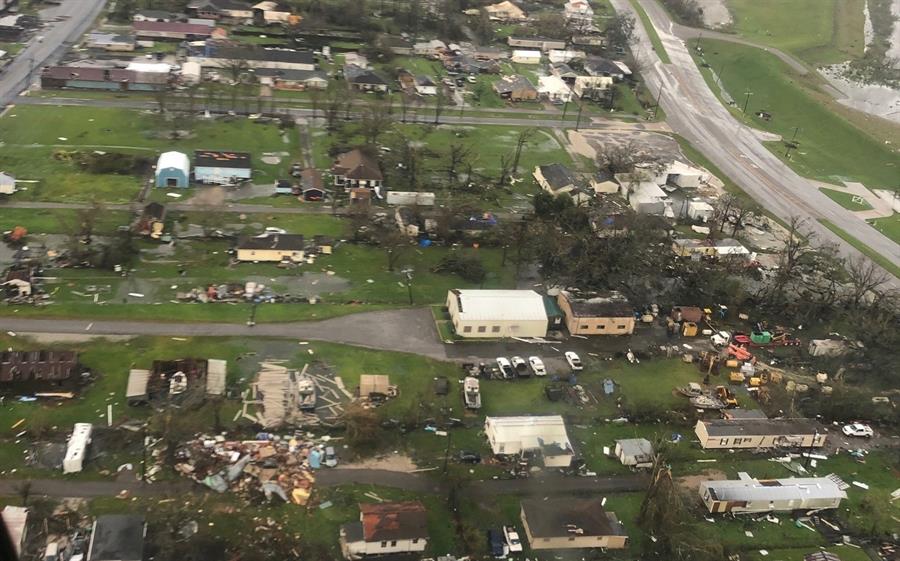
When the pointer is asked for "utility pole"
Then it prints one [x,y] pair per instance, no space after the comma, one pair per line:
[746,103]
[408,273]
[565,108]
[792,144]
[578,119]
[721,73]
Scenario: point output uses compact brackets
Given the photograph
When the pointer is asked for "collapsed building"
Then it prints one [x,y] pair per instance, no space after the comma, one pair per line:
[176,379]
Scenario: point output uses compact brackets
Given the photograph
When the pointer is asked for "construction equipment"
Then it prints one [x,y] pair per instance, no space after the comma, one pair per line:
[739,353]
[15,235]
[726,396]
[689,329]
[736,377]
[766,339]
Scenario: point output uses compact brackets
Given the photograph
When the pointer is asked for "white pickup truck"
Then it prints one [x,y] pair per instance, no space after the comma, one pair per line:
[720,339]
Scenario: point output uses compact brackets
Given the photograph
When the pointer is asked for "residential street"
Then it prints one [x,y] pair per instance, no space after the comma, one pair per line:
[694,112]
[418,483]
[71,19]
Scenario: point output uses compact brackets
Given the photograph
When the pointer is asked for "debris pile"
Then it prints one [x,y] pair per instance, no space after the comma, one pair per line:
[280,396]
[236,292]
[268,467]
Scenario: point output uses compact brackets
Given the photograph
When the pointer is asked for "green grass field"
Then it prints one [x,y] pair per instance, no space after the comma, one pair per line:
[888,265]
[831,30]
[846,200]
[32,134]
[651,31]
[890,227]
[831,147]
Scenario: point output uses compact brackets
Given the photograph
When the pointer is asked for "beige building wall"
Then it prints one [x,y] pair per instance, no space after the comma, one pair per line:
[757,441]
[493,328]
[587,325]
[276,255]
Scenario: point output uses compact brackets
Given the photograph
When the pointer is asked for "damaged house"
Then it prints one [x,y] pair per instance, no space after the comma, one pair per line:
[571,524]
[38,370]
[749,495]
[540,436]
[273,248]
[168,379]
[386,528]
[760,433]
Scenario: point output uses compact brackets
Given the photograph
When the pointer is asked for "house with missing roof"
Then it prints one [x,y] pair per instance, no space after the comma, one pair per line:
[364,79]
[749,495]
[607,313]
[515,88]
[497,313]
[539,436]
[273,248]
[760,433]
[217,56]
[385,528]
[568,523]
[220,167]
[557,179]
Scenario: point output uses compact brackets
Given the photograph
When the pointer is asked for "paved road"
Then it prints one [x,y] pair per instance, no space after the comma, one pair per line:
[451,116]
[552,484]
[694,112]
[405,330]
[72,18]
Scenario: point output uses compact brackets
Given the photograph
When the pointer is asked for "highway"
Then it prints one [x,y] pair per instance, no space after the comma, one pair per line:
[72,19]
[694,112]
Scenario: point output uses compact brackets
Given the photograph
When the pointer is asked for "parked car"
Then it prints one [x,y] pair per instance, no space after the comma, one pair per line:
[858,429]
[512,539]
[506,367]
[330,457]
[471,79]
[521,366]
[468,457]
[574,361]
[496,544]
[537,365]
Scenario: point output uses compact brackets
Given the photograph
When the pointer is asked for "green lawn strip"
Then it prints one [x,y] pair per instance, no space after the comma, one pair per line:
[886,263]
[846,200]
[57,221]
[889,226]
[844,553]
[832,30]
[33,134]
[831,148]
[651,32]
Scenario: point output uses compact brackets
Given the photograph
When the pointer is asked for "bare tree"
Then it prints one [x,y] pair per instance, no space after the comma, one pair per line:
[505,169]
[624,158]
[524,137]
[376,120]
[865,278]
[457,157]
[440,102]
[793,246]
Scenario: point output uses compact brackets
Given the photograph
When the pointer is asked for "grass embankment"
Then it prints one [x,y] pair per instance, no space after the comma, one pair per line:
[831,30]
[832,147]
[890,227]
[886,263]
[651,32]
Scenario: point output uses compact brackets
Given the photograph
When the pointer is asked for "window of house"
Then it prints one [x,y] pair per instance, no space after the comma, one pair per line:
[723,442]
[584,327]
[467,329]
[393,543]
[482,328]
[601,326]
[495,329]
[415,540]
[383,544]
[620,327]
[571,539]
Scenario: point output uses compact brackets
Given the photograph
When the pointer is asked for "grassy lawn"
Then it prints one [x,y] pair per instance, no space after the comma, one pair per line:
[651,31]
[888,265]
[32,134]
[798,554]
[57,221]
[832,30]
[12,49]
[846,200]
[831,147]
[890,227]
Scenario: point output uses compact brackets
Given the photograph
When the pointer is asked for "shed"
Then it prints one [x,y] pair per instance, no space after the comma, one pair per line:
[374,384]
[221,168]
[7,184]
[636,452]
[522,56]
[173,169]
[700,210]
[136,390]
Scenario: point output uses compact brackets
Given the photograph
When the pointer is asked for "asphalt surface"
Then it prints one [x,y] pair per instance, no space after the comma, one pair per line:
[551,484]
[693,111]
[72,18]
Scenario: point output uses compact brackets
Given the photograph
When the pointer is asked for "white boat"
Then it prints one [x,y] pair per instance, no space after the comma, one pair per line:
[472,393]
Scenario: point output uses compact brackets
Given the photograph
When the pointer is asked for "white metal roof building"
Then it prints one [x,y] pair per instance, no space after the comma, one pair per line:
[173,169]
[545,435]
[497,313]
[748,495]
